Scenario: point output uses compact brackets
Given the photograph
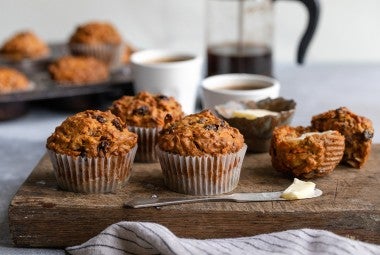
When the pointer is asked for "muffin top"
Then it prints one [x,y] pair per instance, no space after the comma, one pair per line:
[24,45]
[200,134]
[95,33]
[78,70]
[12,80]
[92,133]
[147,110]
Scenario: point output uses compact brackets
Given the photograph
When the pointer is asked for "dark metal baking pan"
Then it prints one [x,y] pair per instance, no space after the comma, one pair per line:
[48,93]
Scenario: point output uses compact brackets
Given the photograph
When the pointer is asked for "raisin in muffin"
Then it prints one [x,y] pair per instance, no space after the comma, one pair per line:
[303,153]
[201,154]
[78,70]
[100,40]
[358,131]
[146,114]
[92,152]
[24,45]
[12,80]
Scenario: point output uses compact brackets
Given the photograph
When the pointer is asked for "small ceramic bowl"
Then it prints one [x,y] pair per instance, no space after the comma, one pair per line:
[220,89]
[257,131]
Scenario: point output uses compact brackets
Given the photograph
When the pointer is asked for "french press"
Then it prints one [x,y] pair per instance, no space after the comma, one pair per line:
[239,35]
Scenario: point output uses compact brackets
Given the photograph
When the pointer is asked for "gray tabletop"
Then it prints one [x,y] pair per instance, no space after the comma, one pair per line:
[316,88]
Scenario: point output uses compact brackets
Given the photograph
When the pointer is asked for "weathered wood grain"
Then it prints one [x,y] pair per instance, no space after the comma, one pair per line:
[41,215]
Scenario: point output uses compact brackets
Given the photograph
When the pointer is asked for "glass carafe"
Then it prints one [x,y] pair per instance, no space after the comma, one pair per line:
[239,35]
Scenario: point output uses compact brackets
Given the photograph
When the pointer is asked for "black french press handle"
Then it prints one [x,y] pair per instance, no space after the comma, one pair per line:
[313,8]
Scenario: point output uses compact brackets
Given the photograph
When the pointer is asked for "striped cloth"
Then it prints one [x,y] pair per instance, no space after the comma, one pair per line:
[150,238]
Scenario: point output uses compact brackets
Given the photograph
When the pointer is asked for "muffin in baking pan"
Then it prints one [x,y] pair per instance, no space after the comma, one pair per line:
[78,70]
[98,39]
[25,45]
[12,80]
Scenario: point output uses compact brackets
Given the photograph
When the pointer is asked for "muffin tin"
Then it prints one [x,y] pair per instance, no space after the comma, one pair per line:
[47,92]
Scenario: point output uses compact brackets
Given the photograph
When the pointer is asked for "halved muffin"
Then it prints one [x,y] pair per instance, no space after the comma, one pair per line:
[357,130]
[302,153]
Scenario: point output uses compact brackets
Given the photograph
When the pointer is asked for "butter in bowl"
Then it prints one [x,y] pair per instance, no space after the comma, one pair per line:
[257,120]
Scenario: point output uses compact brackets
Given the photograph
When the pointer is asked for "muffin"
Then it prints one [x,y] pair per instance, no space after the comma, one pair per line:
[201,155]
[303,153]
[24,45]
[357,130]
[78,70]
[12,80]
[146,114]
[92,152]
[100,40]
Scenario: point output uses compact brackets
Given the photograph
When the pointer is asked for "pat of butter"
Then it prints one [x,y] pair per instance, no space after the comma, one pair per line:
[252,114]
[299,190]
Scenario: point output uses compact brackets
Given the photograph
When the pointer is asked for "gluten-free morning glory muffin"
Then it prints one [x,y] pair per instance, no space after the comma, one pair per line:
[92,152]
[98,39]
[303,153]
[24,45]
[146,114]
[12,80]
[357,130]
[201,154]
[78,70]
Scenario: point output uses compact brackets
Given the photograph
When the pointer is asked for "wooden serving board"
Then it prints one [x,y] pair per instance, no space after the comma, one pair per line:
[41,215]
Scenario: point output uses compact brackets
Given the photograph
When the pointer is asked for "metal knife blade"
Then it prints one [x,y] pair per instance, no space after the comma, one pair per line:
[235,197]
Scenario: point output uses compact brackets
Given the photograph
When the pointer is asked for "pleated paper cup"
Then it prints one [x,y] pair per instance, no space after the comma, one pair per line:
[146,140]
[201,175]
[110,54]
[92,175]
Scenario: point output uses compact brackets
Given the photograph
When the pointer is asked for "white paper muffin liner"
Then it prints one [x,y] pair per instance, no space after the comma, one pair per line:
[146,140]
[201,175]
[92,175]
[109,54]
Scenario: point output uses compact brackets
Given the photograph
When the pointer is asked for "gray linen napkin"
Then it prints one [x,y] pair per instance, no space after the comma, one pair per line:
[151,238]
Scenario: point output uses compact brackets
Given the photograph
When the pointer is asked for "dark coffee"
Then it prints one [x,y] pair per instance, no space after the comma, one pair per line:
[167,59]
[236,58]
[243,86]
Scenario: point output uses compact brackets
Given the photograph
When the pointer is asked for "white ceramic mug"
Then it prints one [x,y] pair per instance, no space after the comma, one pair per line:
[220,89]
[168,72]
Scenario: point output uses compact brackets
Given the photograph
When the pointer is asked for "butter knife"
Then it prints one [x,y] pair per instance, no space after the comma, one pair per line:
[235,197]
